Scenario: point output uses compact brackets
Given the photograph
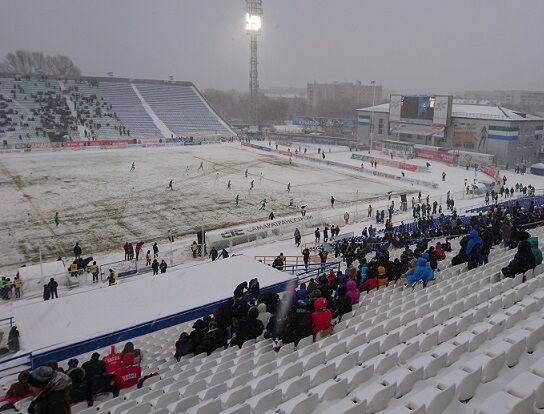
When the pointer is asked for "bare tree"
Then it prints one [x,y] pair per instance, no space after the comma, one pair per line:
[23,62]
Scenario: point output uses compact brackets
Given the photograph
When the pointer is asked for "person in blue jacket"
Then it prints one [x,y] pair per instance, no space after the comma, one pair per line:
[474,249]
[422,272]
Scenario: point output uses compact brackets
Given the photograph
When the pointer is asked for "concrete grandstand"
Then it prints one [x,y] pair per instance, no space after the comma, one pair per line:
[41,110]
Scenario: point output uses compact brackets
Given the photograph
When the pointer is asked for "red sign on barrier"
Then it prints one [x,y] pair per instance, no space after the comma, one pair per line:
[436,155]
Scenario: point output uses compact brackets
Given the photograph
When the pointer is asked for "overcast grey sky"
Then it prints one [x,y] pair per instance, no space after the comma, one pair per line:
[409,46]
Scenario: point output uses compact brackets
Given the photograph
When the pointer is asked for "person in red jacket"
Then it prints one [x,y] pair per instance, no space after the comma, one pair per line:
[129,374]
[113,361]
[321,318]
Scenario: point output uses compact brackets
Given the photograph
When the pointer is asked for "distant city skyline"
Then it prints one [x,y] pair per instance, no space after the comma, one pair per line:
[421,46]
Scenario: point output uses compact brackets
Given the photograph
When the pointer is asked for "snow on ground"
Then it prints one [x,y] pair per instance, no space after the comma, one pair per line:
[307,181]
[102,204]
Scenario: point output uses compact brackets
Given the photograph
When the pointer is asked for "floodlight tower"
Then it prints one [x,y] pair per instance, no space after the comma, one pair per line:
[254,12]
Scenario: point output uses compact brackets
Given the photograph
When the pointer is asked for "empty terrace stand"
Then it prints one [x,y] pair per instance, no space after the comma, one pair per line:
[183,110]
[129,109]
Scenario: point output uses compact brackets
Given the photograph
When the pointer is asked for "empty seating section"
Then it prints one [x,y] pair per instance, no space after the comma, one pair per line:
[182,109]
[128,107]
[468,343]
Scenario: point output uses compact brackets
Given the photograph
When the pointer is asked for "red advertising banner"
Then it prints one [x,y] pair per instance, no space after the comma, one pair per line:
[492,172]
[436,155]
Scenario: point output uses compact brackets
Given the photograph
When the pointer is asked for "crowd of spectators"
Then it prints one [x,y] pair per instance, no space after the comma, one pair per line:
[93,112]
[55,389]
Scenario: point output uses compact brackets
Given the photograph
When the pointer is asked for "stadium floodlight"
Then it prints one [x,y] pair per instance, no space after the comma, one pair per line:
[254,12]
[253,23]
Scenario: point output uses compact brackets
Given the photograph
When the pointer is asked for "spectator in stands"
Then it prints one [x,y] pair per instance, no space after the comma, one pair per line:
[523,260]
[249,327]
[113,360]
[264,316]
[422,273]
[77,251]
[254,289]
[433,258]
[94,366]
[353,291]
[52,391]
[297,324]
[212,340]
[184,346]
[138,355]
[474,249]
[535,250]
[439,251]
[506,231]
[321,318]
[129,374]
[325,289]
[72,364]
[80,390]
[13,339]
[383,280]
[342,303]
[16,391]
[197,334]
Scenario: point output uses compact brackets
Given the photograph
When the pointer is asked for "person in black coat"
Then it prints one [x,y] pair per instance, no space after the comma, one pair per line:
[184,346]
[163,266]
[155,266]
[240,308]
[213,254]
[46,293]
[94,366]
[77,251]
[80,389]
[197,334]
[523,260]
[249,327]
[271,300]
[342,303]
[53,285]
[213,339]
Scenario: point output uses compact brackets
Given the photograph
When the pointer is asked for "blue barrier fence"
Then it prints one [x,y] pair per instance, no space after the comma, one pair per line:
[92,344]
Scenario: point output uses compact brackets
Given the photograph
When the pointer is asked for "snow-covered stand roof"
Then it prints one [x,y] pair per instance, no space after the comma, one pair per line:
[148,304]
[493,112]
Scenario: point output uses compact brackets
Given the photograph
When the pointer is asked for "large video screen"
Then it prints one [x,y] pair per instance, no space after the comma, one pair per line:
[417,107]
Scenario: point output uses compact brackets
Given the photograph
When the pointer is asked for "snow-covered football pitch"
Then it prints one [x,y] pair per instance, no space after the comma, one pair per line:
[102,203]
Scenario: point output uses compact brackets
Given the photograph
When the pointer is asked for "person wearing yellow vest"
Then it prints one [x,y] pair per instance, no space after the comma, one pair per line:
[18,283]
[94,272]
[73,269]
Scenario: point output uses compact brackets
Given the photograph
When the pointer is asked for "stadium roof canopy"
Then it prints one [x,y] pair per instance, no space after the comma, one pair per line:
[493,112]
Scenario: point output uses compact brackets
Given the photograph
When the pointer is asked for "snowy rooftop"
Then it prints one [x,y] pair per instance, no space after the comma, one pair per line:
[88,314]
[472,111]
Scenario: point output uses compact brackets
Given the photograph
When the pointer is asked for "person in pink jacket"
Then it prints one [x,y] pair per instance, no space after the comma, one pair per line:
[353,291]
